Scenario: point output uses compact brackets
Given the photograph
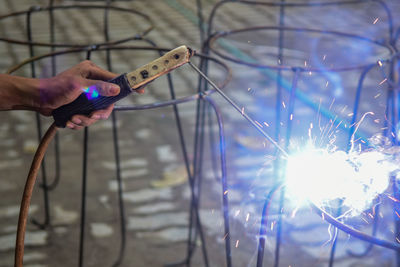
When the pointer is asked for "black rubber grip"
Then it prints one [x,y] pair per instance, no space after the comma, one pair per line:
[90,101]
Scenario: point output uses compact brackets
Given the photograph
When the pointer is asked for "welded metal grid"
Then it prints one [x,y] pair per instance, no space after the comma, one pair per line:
[195,177]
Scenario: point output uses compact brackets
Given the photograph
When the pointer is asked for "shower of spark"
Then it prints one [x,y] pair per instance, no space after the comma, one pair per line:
[322,176]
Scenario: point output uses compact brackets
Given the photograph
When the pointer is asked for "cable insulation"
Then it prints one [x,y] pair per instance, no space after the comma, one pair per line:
[27,195]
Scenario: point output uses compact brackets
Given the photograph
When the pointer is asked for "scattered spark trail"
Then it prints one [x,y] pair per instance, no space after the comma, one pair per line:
[383,81]
[237,243]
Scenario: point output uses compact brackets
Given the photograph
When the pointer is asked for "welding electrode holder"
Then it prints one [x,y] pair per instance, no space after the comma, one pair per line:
[90,100]
[82,105]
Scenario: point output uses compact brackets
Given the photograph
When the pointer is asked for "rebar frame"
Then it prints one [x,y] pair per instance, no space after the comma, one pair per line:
[53,46]
[205,105]
[391,115]
[108,45]
[173,102]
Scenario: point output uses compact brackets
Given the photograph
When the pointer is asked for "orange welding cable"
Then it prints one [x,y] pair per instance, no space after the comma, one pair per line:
[26,197]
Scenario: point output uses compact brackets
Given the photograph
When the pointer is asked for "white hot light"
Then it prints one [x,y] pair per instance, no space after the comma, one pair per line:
[321,176]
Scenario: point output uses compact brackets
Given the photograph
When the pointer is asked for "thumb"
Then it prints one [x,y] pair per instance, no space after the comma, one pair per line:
[96,87]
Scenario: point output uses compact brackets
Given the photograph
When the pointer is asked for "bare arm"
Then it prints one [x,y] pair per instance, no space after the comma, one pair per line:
[45,95]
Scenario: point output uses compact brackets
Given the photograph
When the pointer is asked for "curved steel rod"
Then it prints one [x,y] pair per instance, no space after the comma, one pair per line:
[46,221]
[325,216]
[264,224]
[121,47]
[83,198]
[225,191]
[353,232]
[172,102]
[252,63]
[351,133]
[122,219]
[248,118]
[374,231]
[56,180]
[194,215]
[281,165]
[303,4]
[39,9]
[357,101]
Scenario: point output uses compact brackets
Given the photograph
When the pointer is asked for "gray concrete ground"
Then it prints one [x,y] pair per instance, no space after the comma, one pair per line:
[156,194]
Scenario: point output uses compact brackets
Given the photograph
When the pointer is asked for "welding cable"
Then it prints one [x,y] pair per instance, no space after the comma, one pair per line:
[27,195]
[36,163]
[51,132]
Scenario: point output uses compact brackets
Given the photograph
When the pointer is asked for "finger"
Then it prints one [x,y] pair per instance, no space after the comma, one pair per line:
[140,90]
[92,71]
[73,126]
[78,127]
[94,88]
[102,114]
[81,120]
[70,125]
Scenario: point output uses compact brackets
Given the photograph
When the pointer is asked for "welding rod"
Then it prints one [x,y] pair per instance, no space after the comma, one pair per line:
[236,106]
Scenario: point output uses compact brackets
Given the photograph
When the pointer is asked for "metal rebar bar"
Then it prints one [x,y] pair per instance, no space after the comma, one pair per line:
[46,221]
[248,118]
[224,182]
[83,198]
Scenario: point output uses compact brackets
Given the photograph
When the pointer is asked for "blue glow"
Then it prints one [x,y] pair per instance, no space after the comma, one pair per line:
[95,94]
[320,176]
[91,92]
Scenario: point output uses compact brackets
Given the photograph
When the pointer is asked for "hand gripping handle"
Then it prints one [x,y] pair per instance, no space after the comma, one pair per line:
[90,101]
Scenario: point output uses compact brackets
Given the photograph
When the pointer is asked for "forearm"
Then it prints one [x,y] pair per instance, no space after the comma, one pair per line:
[19,93]
[46,95]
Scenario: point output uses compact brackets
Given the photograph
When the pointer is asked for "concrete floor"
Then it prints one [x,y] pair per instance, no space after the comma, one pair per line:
[157,211]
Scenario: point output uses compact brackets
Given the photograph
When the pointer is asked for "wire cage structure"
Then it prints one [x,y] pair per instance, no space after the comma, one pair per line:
[52,44]
[288,76]
[58,49]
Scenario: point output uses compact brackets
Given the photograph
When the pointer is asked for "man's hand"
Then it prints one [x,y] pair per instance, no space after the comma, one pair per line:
[68,85]
[46,95]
